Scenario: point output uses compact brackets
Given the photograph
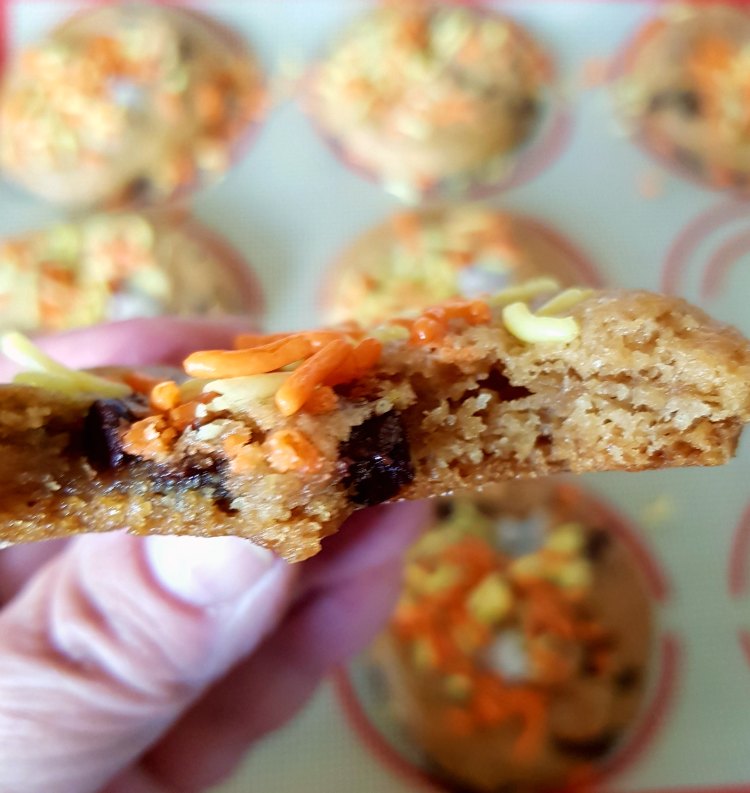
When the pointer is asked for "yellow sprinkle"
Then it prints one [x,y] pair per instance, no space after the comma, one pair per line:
[236,392]
[191,389]
[49,382]
[388,333]
[576,574]
[564,301]
[528,327]
[491,600]
[424,656]
[566,539]
[24,352]
[458,686]
[524,291]
[527,568]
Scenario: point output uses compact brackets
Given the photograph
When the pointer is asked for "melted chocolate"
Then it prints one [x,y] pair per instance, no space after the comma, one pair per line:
[193,477]
[685,102]
[628,678]
[378,460]
[589,749]
[103,429]
[597,543]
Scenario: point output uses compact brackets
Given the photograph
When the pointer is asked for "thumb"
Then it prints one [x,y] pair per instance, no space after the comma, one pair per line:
[111,641]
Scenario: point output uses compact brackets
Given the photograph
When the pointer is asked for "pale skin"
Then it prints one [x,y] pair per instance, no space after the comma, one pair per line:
[132,665]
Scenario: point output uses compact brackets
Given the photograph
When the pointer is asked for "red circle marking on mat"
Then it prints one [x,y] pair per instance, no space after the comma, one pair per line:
[721,263]
[738,556]
[677,258]
[588,271]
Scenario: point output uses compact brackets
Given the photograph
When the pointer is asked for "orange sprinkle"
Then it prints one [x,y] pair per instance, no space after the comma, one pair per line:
[317,338]
[322,400]
[291,450]
[425,330]
[531,706]
[359,361]
[182,416]
[165,396]
[248,458]
[312,373]
[139,382]
[432,326]
[474,312]
[257,360]
[234,442]
[149,438]
[406,228]
[457,722]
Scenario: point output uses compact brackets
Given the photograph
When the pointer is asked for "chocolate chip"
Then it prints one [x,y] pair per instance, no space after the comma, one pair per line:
[443,509]
[628,678]
[528,107]
[139,188]
[587,749]
[497,381]
[103,428]
[378,460]
[597,543]
[685,102]
[209,475]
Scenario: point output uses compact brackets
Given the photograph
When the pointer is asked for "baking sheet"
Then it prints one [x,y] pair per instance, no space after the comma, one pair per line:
[291,206]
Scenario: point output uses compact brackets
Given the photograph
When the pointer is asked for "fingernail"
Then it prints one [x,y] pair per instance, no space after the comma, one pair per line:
[207,571]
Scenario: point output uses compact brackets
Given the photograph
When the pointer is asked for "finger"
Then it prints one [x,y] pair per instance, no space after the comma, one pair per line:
[136,342]
[269,688]
[111,641]
[326,627]
[370,539]
[18,564]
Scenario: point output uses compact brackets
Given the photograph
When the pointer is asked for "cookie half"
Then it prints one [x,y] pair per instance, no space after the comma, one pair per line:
[283,438]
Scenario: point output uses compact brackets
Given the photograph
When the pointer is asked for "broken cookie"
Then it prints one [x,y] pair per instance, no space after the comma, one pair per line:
[282,438]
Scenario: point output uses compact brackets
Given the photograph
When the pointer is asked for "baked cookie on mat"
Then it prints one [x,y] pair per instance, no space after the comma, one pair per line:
[129,103]
[431,98]
[519,651]
[118,266]
[684,87]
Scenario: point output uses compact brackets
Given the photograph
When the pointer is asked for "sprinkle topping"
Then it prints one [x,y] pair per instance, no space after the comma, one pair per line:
[498,633]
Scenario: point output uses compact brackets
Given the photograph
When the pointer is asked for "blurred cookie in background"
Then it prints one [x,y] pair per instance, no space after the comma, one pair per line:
[421,257]
[431,98]
[519,652]
[684,88]
[125,104]
[120,266]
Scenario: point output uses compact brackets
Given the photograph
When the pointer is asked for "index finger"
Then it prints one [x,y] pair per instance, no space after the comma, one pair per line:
[136,342]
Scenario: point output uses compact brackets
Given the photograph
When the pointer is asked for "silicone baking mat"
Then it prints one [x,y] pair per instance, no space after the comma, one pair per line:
[291,206]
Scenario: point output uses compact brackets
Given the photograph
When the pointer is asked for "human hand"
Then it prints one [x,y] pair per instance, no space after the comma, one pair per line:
[149,665]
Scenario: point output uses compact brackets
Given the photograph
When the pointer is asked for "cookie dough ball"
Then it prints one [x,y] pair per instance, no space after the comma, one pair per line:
[519,650]
[119,266]
[419,258]
[430,98]
[685,87]
[127,103]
